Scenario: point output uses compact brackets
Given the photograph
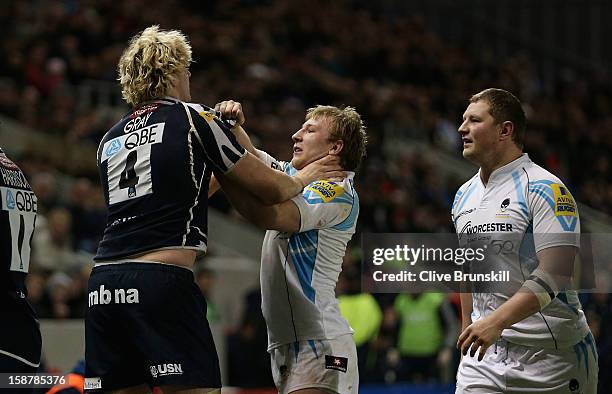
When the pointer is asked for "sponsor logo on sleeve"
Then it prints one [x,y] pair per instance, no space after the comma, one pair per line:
[208,116]
[326,190]
[564,202]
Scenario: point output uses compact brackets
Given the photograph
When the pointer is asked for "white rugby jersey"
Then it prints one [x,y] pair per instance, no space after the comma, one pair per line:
[299,271]
[524,202]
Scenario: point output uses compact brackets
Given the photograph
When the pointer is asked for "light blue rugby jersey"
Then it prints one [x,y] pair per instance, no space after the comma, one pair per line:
[523,202]
[299,271]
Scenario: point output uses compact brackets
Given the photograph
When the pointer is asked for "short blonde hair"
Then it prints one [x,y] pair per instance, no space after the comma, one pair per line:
[346,125]
[146,65]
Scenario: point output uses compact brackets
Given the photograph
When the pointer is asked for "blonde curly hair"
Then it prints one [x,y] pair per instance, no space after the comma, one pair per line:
[148,63]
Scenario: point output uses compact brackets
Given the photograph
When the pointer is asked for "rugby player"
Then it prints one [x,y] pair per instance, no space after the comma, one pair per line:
[535,339]
[146,321]
[20,340]
[310,343]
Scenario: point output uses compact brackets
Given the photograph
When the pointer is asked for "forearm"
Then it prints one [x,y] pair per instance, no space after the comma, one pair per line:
[519,307]
[554,274]
[249,206]
[243,139]
[466,308]
[267,185]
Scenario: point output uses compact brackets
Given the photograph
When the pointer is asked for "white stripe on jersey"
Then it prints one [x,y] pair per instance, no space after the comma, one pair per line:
[191,167]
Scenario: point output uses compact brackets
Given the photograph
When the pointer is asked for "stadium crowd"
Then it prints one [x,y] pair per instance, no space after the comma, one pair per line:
[279,58]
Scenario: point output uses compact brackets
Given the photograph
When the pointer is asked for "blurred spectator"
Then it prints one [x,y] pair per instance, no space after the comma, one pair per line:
[88,214]
[205,278]
[427,335]
[361,310]
[52,243]
[58,78]
[246,347]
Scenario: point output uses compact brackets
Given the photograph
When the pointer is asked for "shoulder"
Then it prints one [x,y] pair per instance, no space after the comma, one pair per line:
[546,187]
[541,180]
[330,192]
[537,173]
[465,189]
[209,114]
[467,185]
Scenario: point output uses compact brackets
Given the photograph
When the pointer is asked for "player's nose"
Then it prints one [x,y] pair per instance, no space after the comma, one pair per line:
[297,136]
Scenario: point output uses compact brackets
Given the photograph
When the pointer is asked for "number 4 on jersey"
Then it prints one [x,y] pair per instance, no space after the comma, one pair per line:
[129,178]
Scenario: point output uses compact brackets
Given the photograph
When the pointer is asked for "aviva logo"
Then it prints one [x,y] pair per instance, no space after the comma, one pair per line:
[209,116]
[326,190]
[564,202]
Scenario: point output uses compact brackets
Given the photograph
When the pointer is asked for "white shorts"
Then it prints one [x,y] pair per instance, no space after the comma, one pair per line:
[512,368]
[329,364]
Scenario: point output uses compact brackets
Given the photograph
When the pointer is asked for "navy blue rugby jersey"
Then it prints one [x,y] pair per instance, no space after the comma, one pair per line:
[155,165]
[17,222]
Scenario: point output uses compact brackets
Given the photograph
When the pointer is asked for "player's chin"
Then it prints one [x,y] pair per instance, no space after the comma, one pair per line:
[297,163]
[468,153]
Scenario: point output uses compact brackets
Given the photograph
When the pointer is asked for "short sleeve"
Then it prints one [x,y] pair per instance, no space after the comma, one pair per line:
[216,138]
[271,161]
[554,215]
[326,204]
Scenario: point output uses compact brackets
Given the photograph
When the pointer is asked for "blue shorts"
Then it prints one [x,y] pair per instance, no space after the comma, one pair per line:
[146,324]
[20,339]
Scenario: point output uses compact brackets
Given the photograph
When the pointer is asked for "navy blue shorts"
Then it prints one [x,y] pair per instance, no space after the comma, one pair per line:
[146,324]
[20,340]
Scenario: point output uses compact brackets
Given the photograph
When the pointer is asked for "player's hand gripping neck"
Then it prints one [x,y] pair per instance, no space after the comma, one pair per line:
[326,167]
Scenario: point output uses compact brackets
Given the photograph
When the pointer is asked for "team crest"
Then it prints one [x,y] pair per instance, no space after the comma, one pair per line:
[574,385]
[504,205]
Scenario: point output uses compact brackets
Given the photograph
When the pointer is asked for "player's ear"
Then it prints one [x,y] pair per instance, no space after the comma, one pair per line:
[507,129]
[336,147]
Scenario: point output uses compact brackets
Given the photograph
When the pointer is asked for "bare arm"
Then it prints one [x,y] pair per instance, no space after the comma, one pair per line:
[466,308]
[283,217]
[558,262]
[272,187]
[233,110]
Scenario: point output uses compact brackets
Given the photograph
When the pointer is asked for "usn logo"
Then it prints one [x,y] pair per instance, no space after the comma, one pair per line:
[114,147]
[166,369]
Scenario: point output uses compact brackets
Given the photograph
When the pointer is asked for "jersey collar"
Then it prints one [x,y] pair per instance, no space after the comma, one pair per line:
[163,100]
[503,171]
